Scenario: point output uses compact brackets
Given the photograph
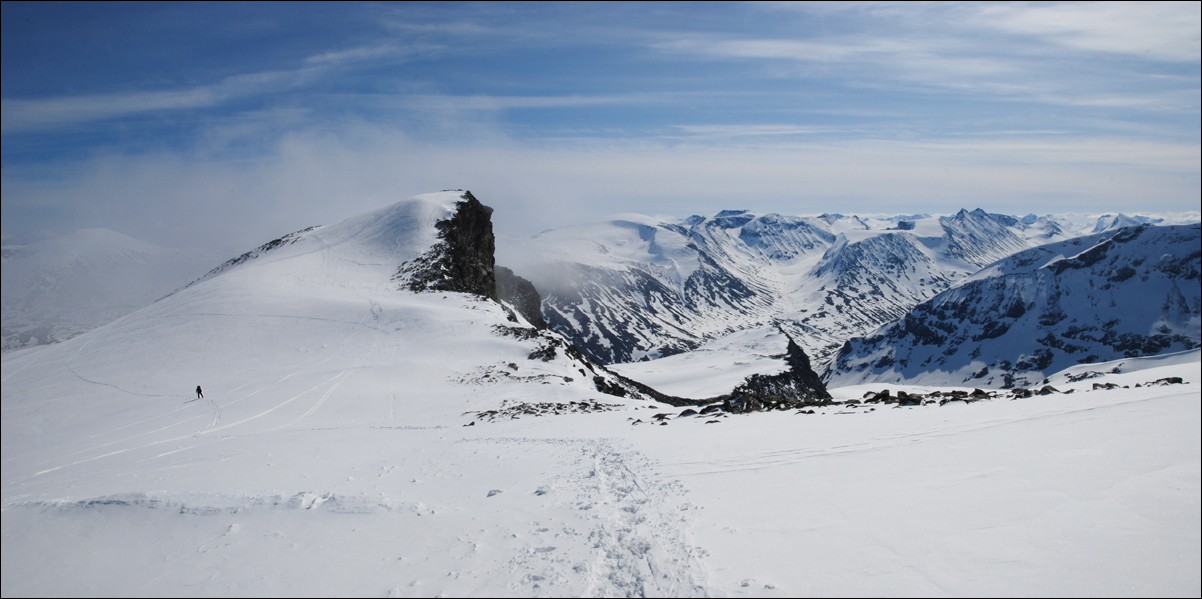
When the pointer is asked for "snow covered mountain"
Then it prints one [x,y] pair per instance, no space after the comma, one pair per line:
[1124,293]
[311,343]
[61,287]
[636,287]
[357,437]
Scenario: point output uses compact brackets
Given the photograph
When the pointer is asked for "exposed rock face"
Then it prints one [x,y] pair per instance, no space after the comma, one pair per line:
[799,386]
[463,261]
[522,295]
[463,258]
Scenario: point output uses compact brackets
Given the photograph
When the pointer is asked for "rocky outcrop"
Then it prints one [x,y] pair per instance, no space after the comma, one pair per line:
[520,294]
[552,346]
[797,387]
[462,260]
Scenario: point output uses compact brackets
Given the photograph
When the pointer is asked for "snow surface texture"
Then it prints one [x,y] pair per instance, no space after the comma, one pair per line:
[1127,292]
[330,456]
[59,288]
[637,287]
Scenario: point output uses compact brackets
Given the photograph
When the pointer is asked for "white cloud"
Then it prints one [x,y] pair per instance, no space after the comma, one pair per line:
[22,116]
[767,130]
[323,176]
[1169,31]
[444,103]
[361,54]
[1054,53]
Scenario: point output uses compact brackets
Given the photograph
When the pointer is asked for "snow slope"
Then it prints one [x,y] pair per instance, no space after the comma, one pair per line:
[322,383]
[58,288]
[1090,494]
[357,439]
[1125,293]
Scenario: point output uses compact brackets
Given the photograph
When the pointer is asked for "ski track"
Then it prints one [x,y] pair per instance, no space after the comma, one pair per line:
[634,531]
[30,360]
[341,377]
[214,421]
[360,323]
[280,405]
[614,529]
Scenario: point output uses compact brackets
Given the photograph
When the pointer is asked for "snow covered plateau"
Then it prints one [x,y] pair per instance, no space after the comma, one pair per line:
[358,437]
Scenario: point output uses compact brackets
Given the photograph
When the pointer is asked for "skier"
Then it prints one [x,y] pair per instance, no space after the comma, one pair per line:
[199,395]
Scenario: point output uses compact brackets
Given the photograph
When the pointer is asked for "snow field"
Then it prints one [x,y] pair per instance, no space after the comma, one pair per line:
[1094,493]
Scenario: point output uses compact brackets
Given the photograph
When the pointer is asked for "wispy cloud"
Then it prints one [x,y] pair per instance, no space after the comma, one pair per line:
[864,60]
[1168,31]
[363,54]
[581,110]
[32,115]
[730,131]
[19,116]
[445,102]
[999,51]
[321,176]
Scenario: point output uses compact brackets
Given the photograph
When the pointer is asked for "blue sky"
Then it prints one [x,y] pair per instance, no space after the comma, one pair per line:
[227,124]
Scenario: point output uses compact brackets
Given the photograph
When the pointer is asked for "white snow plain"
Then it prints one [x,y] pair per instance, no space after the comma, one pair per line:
[341,448]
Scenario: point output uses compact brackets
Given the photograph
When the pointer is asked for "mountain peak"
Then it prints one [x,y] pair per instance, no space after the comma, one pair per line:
[725,213]
[462,259]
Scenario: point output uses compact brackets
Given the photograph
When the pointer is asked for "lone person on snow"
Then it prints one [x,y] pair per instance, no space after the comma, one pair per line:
[199,395]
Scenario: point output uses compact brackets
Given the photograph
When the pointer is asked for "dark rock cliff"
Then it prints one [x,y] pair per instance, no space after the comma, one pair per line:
[462,260]
[796,387]
[522,295]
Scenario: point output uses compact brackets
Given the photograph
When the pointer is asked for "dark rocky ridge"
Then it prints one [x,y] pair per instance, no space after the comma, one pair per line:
[522,295]
[606,381]
[462,260]
[797,387]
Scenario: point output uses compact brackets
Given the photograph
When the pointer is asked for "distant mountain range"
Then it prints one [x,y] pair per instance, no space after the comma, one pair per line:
[61,287]
[635,288]
[865,298]
[1129,292]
